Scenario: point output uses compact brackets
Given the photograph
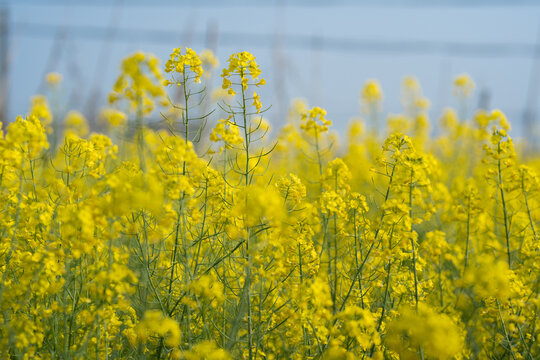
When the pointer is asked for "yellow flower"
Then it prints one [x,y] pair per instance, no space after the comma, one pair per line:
[184,65]
[140,83]
[257,102]
[113,117]
[463,85]
[156,323]
[227,132]
[206,350]
[40,108]
[242,65]
[314,121]
[371,93]
[53,78]
[437,334]
[76,123]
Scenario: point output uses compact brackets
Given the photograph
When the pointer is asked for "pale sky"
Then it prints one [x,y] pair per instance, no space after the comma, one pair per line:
[322,52]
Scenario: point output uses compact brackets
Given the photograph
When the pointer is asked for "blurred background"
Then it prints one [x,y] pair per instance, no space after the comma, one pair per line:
[323,51]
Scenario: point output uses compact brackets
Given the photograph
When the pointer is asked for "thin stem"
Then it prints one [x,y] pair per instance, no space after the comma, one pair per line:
[506,225]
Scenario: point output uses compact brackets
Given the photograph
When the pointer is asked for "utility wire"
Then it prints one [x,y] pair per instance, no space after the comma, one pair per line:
[296,3]
[303,42]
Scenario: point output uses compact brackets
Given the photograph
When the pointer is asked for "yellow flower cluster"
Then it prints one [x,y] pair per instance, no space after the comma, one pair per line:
[140,83]
[437,335]
[227,132]
[209,61]
[54,78]
[243,66]
[113,117]
[314,121]
[39,108]
[372,93]
[182,63]
[142,243]
[291,188]
[76,123]
[463,85]
[155,325]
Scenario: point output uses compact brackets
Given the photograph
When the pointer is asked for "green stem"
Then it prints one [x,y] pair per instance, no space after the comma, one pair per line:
[411,185]
[506,225]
